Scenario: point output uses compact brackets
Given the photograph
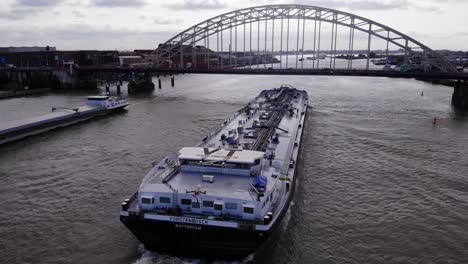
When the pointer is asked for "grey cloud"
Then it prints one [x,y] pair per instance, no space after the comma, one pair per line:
[38,3]
[78,14]
[197,5]
[373,5]
[23,9]
[162,21]
[78,36]
[19,13]
[118,3]
[360,4]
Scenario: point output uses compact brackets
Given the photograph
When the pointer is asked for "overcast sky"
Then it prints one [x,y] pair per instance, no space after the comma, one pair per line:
[142,24]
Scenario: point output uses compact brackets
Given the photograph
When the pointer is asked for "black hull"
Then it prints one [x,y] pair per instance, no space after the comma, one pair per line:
[207,242]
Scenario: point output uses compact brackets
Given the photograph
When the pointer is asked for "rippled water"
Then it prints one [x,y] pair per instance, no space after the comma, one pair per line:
[378,183]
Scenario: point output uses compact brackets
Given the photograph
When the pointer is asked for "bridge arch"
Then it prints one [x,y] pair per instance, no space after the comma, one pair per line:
[186,40]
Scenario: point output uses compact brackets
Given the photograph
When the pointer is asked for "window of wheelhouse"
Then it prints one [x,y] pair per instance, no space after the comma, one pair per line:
[218,206]
[248,210]
[147,200]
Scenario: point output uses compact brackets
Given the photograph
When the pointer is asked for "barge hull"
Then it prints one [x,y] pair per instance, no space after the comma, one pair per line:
[33,129]
[195,240]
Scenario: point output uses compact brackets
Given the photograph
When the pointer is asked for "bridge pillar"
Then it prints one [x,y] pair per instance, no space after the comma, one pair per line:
[460,95]
[141,84]
[4,79]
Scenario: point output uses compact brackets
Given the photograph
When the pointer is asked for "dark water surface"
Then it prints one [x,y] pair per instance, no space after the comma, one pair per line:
[378,183]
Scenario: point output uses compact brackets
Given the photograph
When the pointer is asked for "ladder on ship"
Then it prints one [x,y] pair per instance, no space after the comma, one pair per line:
[174,198]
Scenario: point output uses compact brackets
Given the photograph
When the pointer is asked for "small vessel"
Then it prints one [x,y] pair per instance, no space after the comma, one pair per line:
[225,197]
[321,57]
[380,61]
[60,117]
[301,59]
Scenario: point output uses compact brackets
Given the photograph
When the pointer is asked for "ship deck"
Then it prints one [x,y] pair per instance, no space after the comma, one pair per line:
[234,186]
[56,115]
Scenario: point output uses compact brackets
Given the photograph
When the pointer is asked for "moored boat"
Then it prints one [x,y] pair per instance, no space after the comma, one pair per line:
[60,117]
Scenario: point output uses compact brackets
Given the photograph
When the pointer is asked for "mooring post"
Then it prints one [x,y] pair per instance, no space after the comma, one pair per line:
[118,89]
[172,81]
[159,83]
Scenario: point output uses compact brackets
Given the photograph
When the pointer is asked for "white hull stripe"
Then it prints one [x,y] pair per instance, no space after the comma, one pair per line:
[189,220]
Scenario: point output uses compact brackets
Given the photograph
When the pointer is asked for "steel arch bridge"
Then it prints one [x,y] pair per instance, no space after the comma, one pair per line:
[190,49]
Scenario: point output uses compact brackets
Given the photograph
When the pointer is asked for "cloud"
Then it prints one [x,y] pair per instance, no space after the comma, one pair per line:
[24,9]
[197,5]
[38,3]
[78,36]
[118,3]
[78,14]
[163,21]
[372,5]
[19,13]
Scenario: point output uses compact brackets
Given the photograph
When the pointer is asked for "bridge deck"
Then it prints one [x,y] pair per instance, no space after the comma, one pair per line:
[265,71]
[272,71]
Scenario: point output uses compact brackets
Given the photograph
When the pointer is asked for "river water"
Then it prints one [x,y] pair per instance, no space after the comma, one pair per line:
[378,182]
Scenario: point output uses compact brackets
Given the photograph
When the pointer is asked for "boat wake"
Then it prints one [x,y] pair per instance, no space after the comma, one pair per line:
[152,257]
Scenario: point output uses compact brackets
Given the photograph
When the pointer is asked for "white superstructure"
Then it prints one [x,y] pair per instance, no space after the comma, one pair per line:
[107,102]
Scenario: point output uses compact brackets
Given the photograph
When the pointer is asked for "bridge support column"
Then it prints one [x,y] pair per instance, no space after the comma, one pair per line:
[172,81]
[144,84]
[460,95]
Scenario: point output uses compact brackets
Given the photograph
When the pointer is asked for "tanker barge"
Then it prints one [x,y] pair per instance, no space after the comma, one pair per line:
[60,117]
[225,197]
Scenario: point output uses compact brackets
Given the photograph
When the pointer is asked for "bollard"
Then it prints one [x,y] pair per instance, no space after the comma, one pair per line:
[118,89]
[172,81]
[159,83]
